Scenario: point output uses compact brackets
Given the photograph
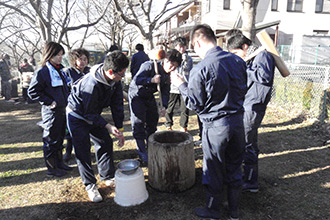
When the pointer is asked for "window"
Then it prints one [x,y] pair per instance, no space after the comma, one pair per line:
[322,6]
[320,32]
[226,4]
[207,6]
[295,5]
[274,5]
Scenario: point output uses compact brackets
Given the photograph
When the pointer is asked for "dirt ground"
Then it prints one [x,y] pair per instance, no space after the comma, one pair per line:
[294,174]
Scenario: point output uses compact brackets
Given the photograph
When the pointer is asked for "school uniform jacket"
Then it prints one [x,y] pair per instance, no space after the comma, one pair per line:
[92,93]
[260,73]
[41,89]
[76,74]
[137,60]
[142,87]
[217,85]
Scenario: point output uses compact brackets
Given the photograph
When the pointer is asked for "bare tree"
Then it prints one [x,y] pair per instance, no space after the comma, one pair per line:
[18,38]
[54,21]
[249,8]
[112,27]
[139,14]
[130,37]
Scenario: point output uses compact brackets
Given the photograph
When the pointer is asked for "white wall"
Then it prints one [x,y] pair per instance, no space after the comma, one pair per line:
[294,23]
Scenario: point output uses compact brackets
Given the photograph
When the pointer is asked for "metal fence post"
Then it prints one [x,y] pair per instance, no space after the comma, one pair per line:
[325,87]
[316,54]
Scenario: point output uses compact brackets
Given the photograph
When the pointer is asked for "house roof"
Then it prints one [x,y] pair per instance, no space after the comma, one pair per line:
[259,26]
[178,10]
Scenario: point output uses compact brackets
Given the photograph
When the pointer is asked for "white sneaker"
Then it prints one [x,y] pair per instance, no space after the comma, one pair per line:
[110,182]
[94,194]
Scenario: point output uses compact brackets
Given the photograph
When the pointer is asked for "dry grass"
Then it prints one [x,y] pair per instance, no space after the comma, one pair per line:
[294,174]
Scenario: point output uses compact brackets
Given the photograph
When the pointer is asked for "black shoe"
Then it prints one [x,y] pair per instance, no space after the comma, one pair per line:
[207,213]
[143,162]
[247,187]
[65,167]
[60,163]
[56,172]
[66,157]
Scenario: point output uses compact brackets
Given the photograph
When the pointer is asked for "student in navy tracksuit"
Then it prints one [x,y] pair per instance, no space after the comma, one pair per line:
[216,90]
[142,103]
[49,86]
[137,59]
[78,59]
[260,72]
[97,90]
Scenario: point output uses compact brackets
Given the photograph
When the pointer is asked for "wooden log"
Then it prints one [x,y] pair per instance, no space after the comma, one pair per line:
[268,44]
[171,161]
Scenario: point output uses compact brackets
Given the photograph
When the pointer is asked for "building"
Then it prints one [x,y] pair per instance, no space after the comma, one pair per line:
[178,23]
[300,28]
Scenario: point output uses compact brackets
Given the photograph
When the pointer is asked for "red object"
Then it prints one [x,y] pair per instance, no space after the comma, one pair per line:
[160,54]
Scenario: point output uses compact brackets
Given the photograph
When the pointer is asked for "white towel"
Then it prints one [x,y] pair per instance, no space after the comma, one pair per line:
[55,77]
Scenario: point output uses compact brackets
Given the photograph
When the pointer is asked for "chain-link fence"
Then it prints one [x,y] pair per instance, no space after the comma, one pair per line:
[304,90]
[313,55]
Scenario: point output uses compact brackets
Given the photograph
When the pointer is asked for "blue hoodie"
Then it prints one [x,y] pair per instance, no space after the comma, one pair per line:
[92,93]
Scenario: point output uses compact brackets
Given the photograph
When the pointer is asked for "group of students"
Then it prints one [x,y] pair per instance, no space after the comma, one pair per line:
[229,96]
[9,82]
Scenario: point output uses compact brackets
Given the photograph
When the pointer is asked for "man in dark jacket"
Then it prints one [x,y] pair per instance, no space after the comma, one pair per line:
[142,103]
[137,59]
[5,77]
[98,89]
[260,73]
[216,90]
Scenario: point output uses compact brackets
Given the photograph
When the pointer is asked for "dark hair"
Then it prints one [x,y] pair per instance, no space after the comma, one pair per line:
[113,48]
[237,41]
[76,54]
[51,49]
[139,47]
[174,56]
[116,61]
[231,33]
[25,60]
[181,41]
[203,31]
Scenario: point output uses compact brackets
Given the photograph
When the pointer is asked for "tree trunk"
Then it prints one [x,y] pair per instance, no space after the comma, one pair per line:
[249,18]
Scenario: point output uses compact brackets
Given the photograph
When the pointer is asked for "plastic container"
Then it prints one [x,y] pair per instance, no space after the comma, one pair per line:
[130,189]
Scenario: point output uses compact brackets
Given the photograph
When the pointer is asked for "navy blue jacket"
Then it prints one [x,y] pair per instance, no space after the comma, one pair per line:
[141,83]
[260,73]
[92,93]
[217,85]
[41,89]
[137,59]
[76,74]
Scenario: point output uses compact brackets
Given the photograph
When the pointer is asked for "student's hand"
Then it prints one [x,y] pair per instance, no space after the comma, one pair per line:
[115,131]
[155,79]
[162,112]
[53,105]
[121,141]
[177,79]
